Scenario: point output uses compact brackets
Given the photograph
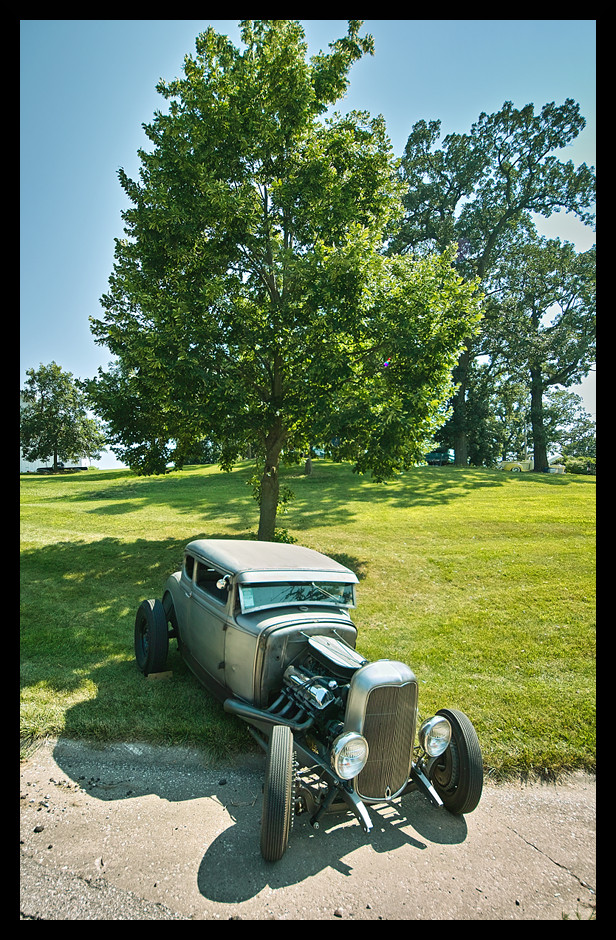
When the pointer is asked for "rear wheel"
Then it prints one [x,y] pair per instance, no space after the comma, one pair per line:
[458,774]
[151,637]
[172,620]
[277,794]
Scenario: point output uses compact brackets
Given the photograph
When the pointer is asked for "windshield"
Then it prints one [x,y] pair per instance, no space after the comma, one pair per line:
[256,596]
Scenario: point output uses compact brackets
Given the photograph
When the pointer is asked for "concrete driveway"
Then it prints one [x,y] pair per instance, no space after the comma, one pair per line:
[131,832]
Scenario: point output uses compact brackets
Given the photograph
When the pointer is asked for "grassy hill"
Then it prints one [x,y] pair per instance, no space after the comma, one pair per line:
[482,581]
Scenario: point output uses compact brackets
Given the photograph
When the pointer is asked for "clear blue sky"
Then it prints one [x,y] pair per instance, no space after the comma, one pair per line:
[88,85]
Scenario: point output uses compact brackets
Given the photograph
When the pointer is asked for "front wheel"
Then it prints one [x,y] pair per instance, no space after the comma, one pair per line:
[277,794]
[151,637]
[458,774]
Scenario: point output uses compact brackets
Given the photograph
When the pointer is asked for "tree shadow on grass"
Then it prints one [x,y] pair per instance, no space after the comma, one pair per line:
[79,601]
[554,479]
[334,495]
[209,498]
[331,495]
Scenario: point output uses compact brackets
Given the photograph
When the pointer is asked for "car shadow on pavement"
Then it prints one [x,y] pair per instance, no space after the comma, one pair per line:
[231,868]
[405,824]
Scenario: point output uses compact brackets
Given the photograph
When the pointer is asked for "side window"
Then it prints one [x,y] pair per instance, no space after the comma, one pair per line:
[189,566]
[206,579]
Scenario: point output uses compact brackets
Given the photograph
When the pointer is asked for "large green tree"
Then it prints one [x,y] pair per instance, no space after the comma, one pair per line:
[479,190]
[54,422]
[549,321]
[251,301]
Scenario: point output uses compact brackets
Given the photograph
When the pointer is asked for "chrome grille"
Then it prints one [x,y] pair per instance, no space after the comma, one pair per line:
[389,728]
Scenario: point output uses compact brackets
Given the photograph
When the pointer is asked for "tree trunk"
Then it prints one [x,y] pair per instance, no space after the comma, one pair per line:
[270,484]
[460,431]
[540,454]
[270,487]
[460,446]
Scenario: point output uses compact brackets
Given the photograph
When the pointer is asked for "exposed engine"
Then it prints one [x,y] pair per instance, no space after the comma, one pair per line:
[320,684]
[316,691]
[356,717]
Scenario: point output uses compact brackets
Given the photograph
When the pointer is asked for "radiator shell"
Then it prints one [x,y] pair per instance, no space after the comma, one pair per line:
[382,706]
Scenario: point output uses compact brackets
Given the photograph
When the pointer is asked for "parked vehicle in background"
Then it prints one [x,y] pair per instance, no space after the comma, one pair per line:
[266,627]
[516,466]
[440,458]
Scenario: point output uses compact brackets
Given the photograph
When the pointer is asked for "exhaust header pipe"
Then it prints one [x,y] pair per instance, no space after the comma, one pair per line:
[251,714]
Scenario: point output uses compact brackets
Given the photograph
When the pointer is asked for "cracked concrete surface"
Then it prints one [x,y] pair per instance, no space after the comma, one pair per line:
[554,862]
[131,832]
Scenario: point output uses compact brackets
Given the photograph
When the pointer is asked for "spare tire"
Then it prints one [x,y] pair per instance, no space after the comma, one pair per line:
[151,637]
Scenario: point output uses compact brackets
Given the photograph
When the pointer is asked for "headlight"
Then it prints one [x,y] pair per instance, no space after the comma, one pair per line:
[349,754]
[435,735]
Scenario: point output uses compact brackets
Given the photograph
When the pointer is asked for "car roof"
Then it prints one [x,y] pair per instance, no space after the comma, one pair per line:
[275,560]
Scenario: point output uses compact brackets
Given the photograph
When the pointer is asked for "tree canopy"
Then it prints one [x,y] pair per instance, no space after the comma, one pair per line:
[480,190]
[252,300]
[547,320]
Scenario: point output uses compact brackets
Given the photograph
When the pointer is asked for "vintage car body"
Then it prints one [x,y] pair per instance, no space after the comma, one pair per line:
[245,652]
[266,627]
[516,466]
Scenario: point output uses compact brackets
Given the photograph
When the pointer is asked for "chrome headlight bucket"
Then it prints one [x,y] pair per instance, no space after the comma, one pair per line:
[349,755]
[435,735]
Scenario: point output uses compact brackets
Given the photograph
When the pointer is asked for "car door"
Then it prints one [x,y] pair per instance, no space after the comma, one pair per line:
[206,621]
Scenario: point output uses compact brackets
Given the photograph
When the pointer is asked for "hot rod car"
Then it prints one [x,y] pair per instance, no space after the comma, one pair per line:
[266,627]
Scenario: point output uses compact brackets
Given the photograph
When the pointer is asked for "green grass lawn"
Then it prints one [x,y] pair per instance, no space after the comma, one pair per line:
[482,581]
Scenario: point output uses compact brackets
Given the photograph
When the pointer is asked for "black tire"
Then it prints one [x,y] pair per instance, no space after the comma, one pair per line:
[277,794]
[151,637]
[458,775]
